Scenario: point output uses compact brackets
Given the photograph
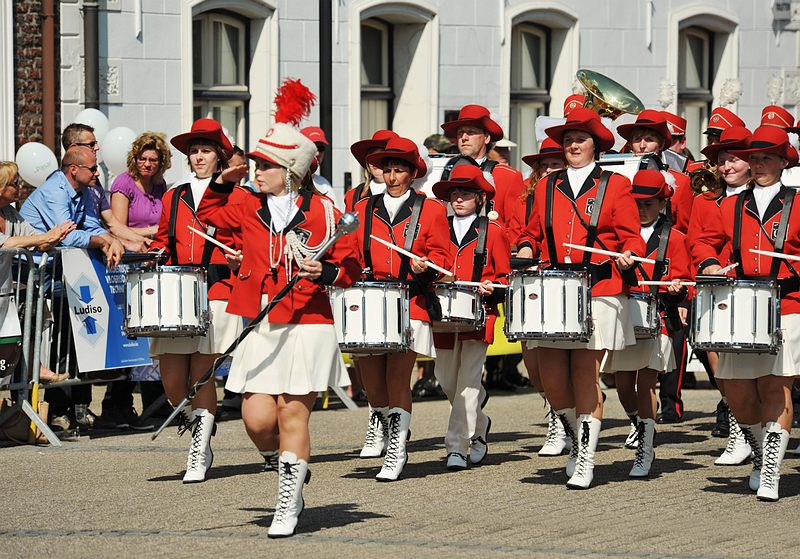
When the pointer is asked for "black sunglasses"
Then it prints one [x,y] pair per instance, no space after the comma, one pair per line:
[93,168]
[91,144]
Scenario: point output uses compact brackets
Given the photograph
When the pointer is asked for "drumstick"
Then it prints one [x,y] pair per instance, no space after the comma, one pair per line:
[212,240]
[666,283]
[727,269]
[411,255]
[776,254]
[609,253]
[478,284]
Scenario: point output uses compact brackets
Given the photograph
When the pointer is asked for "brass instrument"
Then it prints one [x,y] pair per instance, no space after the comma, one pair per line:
[707,181]
[606,97]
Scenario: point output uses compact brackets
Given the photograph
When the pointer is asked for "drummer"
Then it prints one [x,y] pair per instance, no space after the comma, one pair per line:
[185,359]
[637,366]
[758,386]
[480,250]
[389,216]
[562,213]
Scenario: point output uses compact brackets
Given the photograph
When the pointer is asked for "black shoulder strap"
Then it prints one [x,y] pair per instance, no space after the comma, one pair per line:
[173,223]
[661,255]
[357,195]
[488,165]
[783,226]
[528,208]
[548,216]
[591,230]
[209,247]
[370,215]
[411,234]
[736,253]
[479,258]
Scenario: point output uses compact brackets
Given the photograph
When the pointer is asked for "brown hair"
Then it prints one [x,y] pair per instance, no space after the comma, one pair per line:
[222,158]
[70,134]
[155,141]
[8,170]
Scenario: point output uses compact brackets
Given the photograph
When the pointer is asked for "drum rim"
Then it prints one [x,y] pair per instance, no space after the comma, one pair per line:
[181,269]
[544,272]
[711,281]
[455,287]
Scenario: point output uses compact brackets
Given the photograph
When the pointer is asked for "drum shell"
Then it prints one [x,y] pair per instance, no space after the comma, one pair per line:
[644,314]
[462,308]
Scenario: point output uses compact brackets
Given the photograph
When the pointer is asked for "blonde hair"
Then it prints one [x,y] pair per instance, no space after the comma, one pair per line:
[155,141]
[8,170]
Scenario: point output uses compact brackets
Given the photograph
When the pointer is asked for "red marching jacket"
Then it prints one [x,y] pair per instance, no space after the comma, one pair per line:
[190,247]
[352,196]
[496,268]
[682,201]
[432,240]
[676,261]
[703,238]
[509,188]
[618,226]
[519,218]
[308,302]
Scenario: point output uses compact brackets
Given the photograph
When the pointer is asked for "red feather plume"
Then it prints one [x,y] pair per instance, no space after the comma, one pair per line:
[293,102]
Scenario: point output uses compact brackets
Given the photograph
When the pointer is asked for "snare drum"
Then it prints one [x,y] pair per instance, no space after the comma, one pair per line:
[644,314]
[372,317]
[736,315]
[552,305]
[166,302]
[462,308]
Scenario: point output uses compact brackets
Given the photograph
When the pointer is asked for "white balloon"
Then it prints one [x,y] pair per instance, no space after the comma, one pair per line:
[95,119]
[35,161]
[115,148]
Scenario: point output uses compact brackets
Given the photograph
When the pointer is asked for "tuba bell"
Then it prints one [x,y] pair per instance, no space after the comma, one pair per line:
[606,97]
[707,182]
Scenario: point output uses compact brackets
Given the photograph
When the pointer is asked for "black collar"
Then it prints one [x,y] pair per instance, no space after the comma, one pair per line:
[403,213]
[469,236]
[266,217]
[564,186]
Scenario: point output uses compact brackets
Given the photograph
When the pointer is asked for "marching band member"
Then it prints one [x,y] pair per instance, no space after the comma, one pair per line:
[735,174]
[573,102]
[637,367]
[549,159]
[584,205]
[373,183]
[474,132]
[758,386]
[390,216]
[676,156]
[184,360]
[279,377]
[480,250]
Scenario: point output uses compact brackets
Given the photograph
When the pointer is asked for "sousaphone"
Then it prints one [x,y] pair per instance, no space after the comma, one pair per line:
[606,97]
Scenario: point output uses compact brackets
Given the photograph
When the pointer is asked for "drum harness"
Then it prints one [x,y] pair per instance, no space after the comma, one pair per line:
[208,248]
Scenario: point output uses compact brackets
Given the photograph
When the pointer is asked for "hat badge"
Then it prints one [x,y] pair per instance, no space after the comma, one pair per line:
[716,118]
[269,132]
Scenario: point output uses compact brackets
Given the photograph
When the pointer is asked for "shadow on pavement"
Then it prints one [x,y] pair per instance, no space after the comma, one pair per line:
[789,485]
[317,518]
[220,472]
[616,472]
[417,470]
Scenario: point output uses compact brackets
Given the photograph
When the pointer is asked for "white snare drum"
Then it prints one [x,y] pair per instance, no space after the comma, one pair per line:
[166,302]
[462,308]
[552,305]
[372,317]
[736,315]
[644,314]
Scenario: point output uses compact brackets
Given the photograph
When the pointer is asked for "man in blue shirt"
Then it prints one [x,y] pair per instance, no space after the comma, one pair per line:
[65,196]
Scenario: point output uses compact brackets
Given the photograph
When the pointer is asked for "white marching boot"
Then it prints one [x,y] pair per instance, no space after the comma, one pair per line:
[645,454]
[556,440]
[738,451]
[396,455]
[270,460]
[633,437]
[588,435]
[200,457]
[754,436]
[292,474]
[375,439]
[570,424]
[776,439]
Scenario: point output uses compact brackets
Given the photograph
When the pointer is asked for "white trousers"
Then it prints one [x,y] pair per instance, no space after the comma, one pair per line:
[458,371]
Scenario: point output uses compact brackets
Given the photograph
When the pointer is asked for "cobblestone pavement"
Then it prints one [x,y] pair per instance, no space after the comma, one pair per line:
[121,496]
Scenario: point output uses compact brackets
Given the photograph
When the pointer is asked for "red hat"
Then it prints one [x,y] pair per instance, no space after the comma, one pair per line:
[675,123]
[769,139]
[403,149]
[465,177]
[573,102]
[774,115]
[734,137]
[722,119]
[474,115]
[549,148]
[315,134]
[649,183]
[202,129]
[588,121]
[650,119]
[378,140]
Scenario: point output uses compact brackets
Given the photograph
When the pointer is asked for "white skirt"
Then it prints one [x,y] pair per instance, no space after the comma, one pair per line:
[613,328]
[755,365]
[652,353]
[422,338]
[292,359]
[223,330]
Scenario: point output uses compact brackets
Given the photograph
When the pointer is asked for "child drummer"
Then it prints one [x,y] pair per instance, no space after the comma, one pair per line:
[481,255]
[637,366]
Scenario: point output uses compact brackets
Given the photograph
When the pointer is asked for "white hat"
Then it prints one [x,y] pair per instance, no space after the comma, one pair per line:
[284,145]
[504,143]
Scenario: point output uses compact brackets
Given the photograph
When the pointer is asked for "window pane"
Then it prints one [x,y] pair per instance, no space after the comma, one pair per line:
[197,54]
[531,61]
[696,117]
[226,54]
[694,61]
[229,115]
[374,116]
[372,56]
[523,131]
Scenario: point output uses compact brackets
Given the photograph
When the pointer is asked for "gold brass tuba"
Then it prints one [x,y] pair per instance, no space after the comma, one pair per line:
[606,97]
[706,181]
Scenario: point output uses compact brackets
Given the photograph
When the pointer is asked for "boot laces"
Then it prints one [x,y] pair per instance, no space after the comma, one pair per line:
[286,489]
[271,463]
[769,472]
[583,451]
[375,424]
[196,448]
[573,453]
[393,447]
[754,446]
[638,460]
[185,424]
[733,434]
[552,429]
